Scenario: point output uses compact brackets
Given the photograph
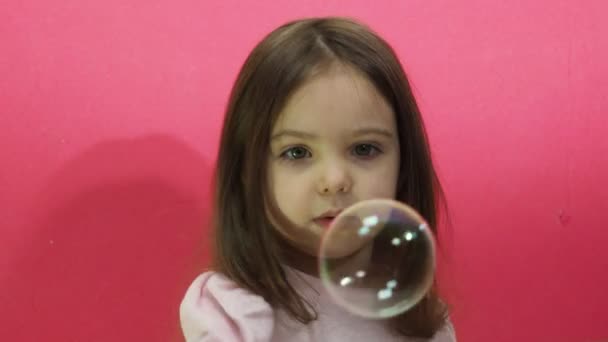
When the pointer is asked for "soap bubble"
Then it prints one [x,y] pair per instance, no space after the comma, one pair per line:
[377,258]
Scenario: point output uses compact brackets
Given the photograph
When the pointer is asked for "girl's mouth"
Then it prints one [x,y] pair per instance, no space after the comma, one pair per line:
[324,222]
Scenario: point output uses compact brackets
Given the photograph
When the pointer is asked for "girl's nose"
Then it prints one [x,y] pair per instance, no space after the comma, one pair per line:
[334,179]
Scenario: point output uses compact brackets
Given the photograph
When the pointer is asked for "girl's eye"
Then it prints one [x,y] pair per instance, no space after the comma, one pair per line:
[295,153]
[366,150]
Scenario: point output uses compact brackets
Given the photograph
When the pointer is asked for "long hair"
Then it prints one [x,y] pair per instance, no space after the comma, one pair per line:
[246,245]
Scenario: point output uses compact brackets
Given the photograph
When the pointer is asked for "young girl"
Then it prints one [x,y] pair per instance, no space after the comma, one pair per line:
[321,117]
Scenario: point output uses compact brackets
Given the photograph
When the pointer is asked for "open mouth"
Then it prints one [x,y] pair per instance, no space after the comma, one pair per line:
[325,222]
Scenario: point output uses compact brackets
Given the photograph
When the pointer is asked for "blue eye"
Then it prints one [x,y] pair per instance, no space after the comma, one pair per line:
[295,153]
[366,150]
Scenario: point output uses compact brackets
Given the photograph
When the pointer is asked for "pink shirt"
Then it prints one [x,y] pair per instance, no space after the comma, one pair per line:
[216,309]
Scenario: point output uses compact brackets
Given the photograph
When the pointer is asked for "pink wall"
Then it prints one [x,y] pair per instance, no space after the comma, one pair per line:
[110,113]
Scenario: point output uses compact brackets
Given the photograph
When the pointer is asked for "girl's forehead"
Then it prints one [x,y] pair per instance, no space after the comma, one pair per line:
[341,98]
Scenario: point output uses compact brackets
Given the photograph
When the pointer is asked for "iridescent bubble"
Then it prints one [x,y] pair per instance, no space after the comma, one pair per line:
[377,259]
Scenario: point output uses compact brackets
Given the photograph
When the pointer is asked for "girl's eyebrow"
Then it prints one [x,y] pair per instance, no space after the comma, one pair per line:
[294,133]
[373,130]
[307,135]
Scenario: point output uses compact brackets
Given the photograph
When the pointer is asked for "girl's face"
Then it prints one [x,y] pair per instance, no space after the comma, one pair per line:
[335,143]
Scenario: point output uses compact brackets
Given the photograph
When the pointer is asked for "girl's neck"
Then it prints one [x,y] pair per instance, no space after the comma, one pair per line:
[300,261]
[309,264]
[293,257]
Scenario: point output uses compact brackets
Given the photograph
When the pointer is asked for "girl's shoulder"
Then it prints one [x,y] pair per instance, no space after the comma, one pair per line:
[216,308]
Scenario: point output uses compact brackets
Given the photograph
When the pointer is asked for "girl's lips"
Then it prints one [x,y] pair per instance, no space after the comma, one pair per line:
[324,222]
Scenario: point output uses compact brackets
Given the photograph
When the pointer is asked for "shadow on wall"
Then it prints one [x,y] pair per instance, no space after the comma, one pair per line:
[118,235]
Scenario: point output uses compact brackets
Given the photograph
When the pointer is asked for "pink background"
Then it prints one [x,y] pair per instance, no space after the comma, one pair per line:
[110,113]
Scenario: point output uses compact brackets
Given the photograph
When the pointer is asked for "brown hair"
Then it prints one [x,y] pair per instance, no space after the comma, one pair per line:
[247,248]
